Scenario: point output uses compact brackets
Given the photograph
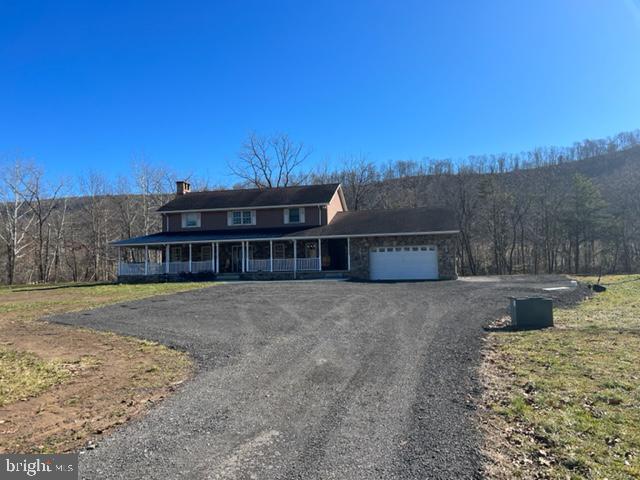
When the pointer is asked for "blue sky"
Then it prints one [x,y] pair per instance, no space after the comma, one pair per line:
[88,85]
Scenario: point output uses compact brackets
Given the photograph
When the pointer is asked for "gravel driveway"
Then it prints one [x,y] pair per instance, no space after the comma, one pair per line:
[320,379]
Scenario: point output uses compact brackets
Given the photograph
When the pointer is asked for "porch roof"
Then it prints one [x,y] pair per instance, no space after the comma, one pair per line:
[202,236]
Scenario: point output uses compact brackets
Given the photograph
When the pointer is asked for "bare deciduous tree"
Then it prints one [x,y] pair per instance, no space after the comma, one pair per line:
[358,177]
[153,184]
[268,162]
[14,219]
[97,215]
[43,199]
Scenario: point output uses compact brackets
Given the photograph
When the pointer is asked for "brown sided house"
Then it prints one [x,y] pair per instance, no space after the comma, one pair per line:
[290,232]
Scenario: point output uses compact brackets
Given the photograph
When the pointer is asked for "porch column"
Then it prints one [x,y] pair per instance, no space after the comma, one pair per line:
[190,258]
[319,254]
[295,258]
[146,260]
[348,254]
[119,261]
[213,257]
[166,258]
[247,257]
[271,256]
[217,257]
[242,244]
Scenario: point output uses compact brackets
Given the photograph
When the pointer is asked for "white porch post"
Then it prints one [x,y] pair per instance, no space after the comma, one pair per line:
[243,245]
[146,260]
[271,256]
[295,258]
[119,261]
[319,254]
[166,258]
[217,257]
[190,256]
[348,254]
[213,257]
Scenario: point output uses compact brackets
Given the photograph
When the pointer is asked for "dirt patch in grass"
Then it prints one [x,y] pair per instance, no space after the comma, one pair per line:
[23,374]
[62,386]
[565,402]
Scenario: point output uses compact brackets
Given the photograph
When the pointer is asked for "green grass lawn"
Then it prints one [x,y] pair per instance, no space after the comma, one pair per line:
[23,375]
[36,301]
[567,399]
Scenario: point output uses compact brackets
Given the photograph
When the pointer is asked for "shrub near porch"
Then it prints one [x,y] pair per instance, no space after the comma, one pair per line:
[565,402]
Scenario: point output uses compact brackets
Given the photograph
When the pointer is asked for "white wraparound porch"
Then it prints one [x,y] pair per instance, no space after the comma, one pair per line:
[227,257]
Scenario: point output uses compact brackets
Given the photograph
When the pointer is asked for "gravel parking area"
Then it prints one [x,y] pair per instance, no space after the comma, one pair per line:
[322,379]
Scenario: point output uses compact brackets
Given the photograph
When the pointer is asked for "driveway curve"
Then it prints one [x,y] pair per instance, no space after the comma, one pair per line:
[310,380]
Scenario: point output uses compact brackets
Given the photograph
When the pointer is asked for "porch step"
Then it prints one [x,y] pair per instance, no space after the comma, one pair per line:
[228,276]
[335,275]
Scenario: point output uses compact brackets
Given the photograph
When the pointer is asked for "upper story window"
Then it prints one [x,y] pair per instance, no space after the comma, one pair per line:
[294,215]
[241,217]
[191,220]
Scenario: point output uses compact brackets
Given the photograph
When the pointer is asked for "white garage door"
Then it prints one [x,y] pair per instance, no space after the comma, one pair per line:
[404,263]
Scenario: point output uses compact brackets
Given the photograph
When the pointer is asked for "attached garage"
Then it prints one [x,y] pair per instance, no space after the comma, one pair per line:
[404,262]
[403,244]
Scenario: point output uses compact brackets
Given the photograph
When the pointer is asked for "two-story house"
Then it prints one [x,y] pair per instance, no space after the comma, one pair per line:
[290,232]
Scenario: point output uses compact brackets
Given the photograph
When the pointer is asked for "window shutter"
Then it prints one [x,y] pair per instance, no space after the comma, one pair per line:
[253,217]
[286,216]
[229,218]
[301,210]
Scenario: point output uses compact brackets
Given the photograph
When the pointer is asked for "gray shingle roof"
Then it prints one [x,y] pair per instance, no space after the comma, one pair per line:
[344,224]
[252,197]
[403,220]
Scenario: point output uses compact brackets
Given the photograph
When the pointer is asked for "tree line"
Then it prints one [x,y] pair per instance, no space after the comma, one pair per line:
[551,210]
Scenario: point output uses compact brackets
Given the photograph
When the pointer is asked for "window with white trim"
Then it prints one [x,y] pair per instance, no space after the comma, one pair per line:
[191,220]
[241,217]
[294,215]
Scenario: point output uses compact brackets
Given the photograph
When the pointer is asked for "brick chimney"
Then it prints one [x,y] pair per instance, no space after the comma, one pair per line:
[182,187]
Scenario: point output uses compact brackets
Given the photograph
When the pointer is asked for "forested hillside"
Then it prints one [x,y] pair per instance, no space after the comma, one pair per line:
[563,216]
[574,209]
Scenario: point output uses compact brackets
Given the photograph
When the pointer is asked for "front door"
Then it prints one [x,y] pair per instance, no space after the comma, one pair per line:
[236,258]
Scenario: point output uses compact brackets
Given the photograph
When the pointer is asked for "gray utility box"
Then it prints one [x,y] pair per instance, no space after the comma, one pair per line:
[531,312]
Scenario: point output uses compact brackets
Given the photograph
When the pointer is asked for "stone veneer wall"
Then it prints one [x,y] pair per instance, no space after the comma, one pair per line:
[446,245]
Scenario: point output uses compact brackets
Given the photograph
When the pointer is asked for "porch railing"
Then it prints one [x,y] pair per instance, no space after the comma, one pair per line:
[137,268]
[302,264]
[178,267]
[283,264]
[131,268]
[156,268]
[253,265]
[201,266]
[259,264]
[308,264]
